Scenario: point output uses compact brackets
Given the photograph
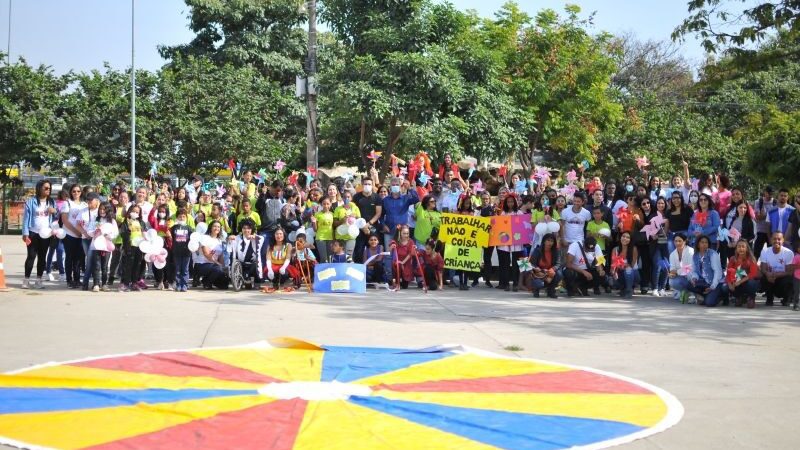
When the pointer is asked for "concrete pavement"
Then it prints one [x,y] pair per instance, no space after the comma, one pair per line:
[735,370]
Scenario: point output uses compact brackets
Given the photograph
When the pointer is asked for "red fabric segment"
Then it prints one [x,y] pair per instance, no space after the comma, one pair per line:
[574,381]
[273,426]
[178,364]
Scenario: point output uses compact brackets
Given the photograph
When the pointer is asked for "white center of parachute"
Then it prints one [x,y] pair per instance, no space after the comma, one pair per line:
[314,390]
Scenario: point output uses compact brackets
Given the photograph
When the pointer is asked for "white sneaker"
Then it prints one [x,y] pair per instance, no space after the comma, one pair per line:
[39,284]
[95,288]
[656,293]
[26,283]
[51,277]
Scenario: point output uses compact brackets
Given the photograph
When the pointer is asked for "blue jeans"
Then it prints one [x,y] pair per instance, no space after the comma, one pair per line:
[267,236]
[91,260]
[182,271]
[658,280]
[746,289]
[626,279]
[679,283]
[712,298]
[539,283]
[387,262]
[58,252]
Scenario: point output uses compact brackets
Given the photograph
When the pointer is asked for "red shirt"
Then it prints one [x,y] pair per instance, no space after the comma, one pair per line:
[749,266]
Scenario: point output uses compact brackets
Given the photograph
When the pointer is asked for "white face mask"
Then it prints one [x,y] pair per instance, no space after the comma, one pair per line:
[162,215]
[134,216]
[368,189]
[181,222]
[693,199]
[395,189]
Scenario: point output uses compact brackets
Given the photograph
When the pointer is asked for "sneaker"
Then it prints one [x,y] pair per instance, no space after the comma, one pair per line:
[160,286]
[105,288]
[489,284]
[95,288]
[474,283]
[61,277]
[135,287]
[124,288]
[39,284]
[51,277]
[141,285]
[26,283]
[657,293]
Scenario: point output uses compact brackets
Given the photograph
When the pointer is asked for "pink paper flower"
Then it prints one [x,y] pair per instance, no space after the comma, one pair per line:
[642,162]
[279,165]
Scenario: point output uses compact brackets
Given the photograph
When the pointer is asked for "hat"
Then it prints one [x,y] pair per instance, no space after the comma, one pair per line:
[198,178]
[590,242]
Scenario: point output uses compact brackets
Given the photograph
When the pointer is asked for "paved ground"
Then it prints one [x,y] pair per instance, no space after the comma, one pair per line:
[734,370]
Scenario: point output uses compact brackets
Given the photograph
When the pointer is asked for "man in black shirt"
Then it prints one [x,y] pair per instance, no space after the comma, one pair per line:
[371,207]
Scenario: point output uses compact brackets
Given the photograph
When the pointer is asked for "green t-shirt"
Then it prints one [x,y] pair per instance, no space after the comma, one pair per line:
[537,216]
[340,213]
[594,227]
[324,226]
[426,222]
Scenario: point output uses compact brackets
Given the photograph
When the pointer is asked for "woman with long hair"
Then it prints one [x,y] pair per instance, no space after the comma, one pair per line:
[278,267]
[705,221]
[741,276]
[660,251]
[681,267]
[209,261]
[57,249]
[544,264]
[40,212]
[745,227]
[625,276]
[706,279]
[132,231]
[73,246]
[507,255]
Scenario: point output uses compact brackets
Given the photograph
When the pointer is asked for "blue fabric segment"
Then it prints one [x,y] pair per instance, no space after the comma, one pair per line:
[503,429]
[346,364]
[31,400]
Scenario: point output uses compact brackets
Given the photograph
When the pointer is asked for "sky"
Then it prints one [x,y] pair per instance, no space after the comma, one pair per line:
[81,35]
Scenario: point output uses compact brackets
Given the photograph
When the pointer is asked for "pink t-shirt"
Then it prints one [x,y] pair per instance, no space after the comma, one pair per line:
[723,202]
[796,264]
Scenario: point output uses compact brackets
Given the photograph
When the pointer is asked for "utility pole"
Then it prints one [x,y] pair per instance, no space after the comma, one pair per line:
[311,91]
[8,50]
[133,95]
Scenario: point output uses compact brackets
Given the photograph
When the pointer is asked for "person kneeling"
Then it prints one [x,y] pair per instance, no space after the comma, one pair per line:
[433,265]
[741,276]
[278,266]
[543,273]
[707,273]
[582,270]
[623,265]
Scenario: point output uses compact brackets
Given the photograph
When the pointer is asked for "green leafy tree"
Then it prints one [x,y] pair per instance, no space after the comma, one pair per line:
[31,116]
[560,77]
[97,132]
[211,114]
[412,80]
[773,149]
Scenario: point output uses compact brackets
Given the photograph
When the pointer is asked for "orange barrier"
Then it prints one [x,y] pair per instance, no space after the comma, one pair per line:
[2,272]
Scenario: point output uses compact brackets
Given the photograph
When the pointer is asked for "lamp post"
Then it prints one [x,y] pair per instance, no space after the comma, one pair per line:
[8,50]
[133,96]
[311,93]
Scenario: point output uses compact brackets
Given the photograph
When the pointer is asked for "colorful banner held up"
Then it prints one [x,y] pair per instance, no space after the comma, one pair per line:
[464,231]
[511,230]
[463,258]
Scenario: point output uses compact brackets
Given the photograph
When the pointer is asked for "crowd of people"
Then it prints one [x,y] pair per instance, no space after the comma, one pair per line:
[701,239]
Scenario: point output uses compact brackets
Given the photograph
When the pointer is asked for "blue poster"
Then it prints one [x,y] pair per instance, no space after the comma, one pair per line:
[340,278]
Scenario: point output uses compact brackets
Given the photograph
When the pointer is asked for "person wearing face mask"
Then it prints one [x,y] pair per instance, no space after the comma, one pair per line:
[161,222]
[132,230]
[181,255]
[87,224]
[450,197]
[371,207]
[694,199]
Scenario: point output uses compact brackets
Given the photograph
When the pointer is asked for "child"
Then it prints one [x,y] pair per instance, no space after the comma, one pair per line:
[131,230]
[160,221]
[106,214]
[404,249]
[304,257]
[338,252]
[433,265]
[180,250]
[323,227]
[375,271]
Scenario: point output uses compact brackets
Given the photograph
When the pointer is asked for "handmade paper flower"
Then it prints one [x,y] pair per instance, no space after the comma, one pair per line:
[502,171]
[424,178]
[520,187]
[642,162]
[524,265]
[740,273]
[685,270]
[700,218]
[572,176]
[542,173]
[695,184]
[722,234]
[601,260]
[478,186]
[221,191]
[231,165]
[617,262]
[374,156]
[292,180]
[734,234]
[279,165]
[650,230]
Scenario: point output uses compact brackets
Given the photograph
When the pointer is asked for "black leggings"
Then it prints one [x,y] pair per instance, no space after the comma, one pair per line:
[116,258]
[508,274]
[73,247]
[37,250]
[131,262]
[167,273]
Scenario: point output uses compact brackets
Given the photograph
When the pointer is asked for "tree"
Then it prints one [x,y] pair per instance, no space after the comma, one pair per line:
[560,77]
[31,117]
[412,80]
[773,150]
[97,132]
[211,114]
[651,67]
[716,23]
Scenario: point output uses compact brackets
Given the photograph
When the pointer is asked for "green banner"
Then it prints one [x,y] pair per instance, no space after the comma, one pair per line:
[463,258]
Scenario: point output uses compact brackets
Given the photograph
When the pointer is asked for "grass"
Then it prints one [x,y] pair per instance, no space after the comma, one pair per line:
[513,348]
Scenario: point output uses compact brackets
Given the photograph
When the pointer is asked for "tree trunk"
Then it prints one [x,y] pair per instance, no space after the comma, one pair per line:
[362,143]
[393,137]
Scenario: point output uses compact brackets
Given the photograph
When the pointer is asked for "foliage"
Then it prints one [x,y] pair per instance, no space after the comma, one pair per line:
[559,76]
[31,118]
[773,150]
[211,114]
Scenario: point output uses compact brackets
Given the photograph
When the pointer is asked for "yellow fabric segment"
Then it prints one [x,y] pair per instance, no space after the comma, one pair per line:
[290,342]
[641,410]
[461,367]
[281,363]
[340,425]
[84,428]
[85,377]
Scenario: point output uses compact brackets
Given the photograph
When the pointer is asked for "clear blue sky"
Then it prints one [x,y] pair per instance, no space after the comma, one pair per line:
[82,34]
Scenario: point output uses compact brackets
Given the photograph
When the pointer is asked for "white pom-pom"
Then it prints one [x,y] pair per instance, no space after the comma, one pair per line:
[156,244]
[361,223]
[45,233]
[553,227]
[194,246]
[341,230]
[604,232]
[146,247]
[151,234]
[541,229]
[100,243]
[195,237]
[201,228]
[60,233]
[352,230]
[159,263]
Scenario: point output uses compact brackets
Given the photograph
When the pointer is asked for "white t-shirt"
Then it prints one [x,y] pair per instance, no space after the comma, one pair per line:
[42,220]
[779,261]
[574,223]
[88,219]
[577,255]
[73,210]
[146,207]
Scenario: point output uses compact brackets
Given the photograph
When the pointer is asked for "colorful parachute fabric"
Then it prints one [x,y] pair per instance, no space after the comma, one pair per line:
[290,394]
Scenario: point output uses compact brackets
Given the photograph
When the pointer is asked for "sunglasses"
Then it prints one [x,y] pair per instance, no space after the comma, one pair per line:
[77,191]
[703,199]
